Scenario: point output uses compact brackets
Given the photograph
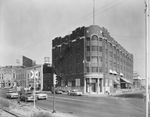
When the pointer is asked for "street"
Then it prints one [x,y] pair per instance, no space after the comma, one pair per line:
[86,106]
[96,106]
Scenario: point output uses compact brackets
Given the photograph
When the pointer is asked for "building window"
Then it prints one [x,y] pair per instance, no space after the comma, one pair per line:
[69,70]
[106,51]
[100,69]
[100,48]
[69,83]
[94,37]
[110,53]
[87,48]
[73,83]
[88,58]
[106,61]
[87,69]
[100,39]
[77,60]
[110,83]
[88,38]
[94,58]
[94,48]
[110,63]
[94,69]
[77,82]
[106,70]
[106,82]
[100,59]
[78,50]
[77,70]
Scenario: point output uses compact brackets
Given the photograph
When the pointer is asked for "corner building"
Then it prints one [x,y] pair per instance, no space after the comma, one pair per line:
[91,61]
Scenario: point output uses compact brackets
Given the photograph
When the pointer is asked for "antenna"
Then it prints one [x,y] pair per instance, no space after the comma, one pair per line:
[93,12]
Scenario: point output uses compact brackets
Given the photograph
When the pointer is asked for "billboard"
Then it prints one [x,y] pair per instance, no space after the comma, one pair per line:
[27,62]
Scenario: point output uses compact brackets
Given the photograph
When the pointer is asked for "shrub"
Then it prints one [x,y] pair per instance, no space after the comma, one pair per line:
[41,114]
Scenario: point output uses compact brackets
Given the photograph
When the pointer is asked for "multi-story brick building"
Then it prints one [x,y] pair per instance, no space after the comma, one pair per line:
[90,60]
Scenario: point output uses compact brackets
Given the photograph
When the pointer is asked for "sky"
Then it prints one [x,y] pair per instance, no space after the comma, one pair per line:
[27,27]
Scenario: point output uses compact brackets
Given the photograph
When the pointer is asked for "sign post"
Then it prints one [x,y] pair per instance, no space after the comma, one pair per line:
[34,75]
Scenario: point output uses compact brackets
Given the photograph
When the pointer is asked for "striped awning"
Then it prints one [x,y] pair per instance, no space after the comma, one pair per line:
[121,74]
[110,71]
[115,72]
[127,81]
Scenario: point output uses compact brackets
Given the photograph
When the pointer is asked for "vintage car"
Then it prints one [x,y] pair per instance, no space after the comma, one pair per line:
[28,96]
[12,94]
[75,93]
[40,95]
[57,91]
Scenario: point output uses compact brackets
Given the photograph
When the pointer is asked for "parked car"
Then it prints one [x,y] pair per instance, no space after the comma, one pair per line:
[40,95]
[28,96]
[75,93]
[12,94]
[57,91]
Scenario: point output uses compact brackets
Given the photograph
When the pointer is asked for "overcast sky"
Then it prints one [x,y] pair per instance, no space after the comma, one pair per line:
[27,27]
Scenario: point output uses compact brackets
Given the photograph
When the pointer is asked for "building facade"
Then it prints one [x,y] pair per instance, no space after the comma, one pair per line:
[7,76]
[91,61]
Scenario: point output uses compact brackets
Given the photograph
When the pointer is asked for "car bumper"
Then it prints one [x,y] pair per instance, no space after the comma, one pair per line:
[30,99]
[42,97]
[14,96]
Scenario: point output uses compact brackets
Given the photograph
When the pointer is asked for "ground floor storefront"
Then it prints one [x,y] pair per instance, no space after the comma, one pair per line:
[96,83]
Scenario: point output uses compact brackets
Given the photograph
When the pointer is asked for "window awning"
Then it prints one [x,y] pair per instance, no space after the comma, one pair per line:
[110,71]
[115,72]
[121,74]
[127,81]
[116,81]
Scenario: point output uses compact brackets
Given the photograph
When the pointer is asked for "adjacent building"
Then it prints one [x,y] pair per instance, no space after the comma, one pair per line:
[7,76]
[91,61]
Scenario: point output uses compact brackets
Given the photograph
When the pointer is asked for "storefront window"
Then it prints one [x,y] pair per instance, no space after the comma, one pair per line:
[94,37]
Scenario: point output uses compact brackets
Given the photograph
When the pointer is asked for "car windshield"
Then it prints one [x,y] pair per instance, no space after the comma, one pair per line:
[38,92]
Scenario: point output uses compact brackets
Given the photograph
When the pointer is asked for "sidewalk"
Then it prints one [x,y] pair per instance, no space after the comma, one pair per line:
[86,94]
[103,95]
[95,95]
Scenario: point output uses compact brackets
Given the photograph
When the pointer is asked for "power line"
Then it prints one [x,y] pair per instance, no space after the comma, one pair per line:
[75,22]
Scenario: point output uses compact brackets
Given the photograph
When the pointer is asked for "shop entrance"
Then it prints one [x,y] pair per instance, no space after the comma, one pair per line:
[93,87]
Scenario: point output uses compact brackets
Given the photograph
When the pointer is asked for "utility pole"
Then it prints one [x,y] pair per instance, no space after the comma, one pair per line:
[146,54]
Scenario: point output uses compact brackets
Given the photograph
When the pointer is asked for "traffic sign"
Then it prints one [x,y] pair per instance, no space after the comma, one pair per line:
[34,74]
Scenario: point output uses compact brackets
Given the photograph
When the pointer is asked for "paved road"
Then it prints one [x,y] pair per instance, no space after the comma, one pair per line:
[85,106]
[97,106]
